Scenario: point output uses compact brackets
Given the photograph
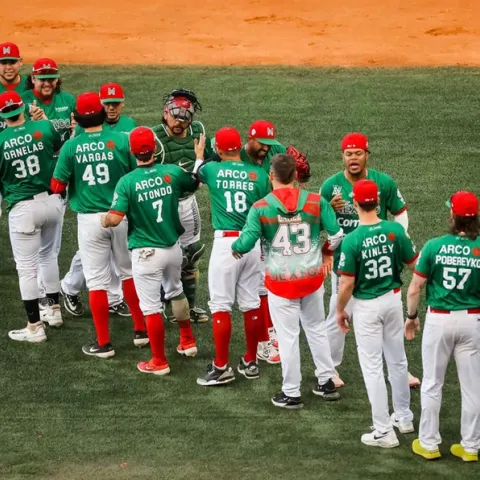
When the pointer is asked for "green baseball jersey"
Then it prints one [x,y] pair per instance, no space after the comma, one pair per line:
[451,265]
[289,222]
[27,160]
[124,125]
[234,187]
[149,196]
[265,164]
[374,255]
[59,110]
[20,87]
[92,164]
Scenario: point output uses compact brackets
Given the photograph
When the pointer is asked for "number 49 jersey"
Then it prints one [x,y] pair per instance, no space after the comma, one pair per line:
[451,265]
[374,255]
[234,187]
[92,164]
[27,160]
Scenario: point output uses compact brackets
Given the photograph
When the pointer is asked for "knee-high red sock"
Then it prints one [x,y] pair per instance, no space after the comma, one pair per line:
[99,308]
[253,328]
[222,331]
[186,332]
[131,298]
[156,334]
[265,319]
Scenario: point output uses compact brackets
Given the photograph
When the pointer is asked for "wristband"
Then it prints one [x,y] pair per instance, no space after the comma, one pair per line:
[413,316]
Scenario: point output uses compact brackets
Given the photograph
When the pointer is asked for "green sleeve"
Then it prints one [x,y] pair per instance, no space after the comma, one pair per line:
[202,173]
[64,168]
[347,264]
[266,188]
[209,152]
[187,182]
[120,197]
[56,138]
[251,232]
[408,248]
[424,261]
[326,190]
[395,202]
[328,218]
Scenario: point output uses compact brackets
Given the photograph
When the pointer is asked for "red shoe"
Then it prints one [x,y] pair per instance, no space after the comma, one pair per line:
[150,367]
[188,349]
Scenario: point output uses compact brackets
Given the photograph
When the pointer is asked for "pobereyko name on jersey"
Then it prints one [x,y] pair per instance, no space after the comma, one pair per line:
[458,261]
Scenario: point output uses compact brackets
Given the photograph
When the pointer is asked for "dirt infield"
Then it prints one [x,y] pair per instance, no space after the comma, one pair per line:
[248,32]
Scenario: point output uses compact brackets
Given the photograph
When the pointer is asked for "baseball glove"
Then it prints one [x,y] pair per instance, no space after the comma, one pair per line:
[302,164]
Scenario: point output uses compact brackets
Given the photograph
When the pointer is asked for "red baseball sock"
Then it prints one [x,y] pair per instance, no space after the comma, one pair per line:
[186,332]
[99,308]
[131,298]
[156,334]
[253,328]
[222,331]
[265,319]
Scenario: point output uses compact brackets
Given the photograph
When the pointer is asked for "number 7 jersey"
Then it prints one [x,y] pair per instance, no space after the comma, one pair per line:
[92,164]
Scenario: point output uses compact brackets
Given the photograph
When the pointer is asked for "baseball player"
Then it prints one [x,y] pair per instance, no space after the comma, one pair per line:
[26,167]
[91,164]
[175,144]
[148,197]
[371,261]
[450,268]
[338,191]
[289,221]
[234,187]
[113,101]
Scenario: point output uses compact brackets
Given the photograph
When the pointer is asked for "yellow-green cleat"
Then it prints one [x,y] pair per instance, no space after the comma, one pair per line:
[423,452]
[459,452]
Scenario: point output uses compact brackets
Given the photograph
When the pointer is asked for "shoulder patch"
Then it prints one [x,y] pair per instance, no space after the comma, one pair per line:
[260,203]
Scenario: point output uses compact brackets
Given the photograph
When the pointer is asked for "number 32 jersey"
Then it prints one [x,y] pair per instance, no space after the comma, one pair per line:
[92,164]
[374,255]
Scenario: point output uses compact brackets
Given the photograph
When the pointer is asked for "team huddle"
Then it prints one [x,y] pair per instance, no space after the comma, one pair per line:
[275,242]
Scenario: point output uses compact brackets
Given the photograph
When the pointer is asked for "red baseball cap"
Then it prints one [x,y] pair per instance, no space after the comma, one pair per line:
[45,68]
[9,51]
[365,191]
[264,132]
[464,204]
[355,140]
[228,139]
[12,101]
[88,103]
[111,93]
[142,141]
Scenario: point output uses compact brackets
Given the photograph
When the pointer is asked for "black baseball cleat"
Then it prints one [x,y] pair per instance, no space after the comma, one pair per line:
[198,315]
[216,376]
[248,370]
[120,309]
[140,339]
[72,304]
[283,401]
[93,349]
[328,391]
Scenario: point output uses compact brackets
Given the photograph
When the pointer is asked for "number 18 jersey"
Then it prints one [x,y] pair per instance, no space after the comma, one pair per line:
[92,164]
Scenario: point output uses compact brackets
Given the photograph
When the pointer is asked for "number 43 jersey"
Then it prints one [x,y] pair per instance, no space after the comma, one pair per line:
[27,160]
[374,255]
[92,164]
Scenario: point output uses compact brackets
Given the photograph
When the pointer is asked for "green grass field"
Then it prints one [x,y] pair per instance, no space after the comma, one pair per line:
[67,416]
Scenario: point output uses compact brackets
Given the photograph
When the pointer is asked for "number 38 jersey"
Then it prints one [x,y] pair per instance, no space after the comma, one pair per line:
[234,187]
[27,160]
[451,265]
[374,255]
[92,164]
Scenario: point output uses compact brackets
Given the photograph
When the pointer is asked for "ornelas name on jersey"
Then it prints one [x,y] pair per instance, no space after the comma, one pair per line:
[235,180]
[375,246]
[20,146]
[94,152]
[152,188]
[458,256]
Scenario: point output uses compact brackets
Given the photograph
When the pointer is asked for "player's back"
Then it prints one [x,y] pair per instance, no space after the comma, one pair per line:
[234,187]
[27,160]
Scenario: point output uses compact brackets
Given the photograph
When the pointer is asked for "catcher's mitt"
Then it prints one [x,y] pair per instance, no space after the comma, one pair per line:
[301,163]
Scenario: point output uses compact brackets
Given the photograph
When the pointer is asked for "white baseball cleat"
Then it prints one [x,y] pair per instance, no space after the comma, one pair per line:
[33,333]
[267,353]
[379,439]
[52,316]
[403,427]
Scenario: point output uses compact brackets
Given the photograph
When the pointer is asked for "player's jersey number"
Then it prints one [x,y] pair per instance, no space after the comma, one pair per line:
[236,202]
[379,268]
[29,166]
[455,277]
[157,205]
[283,238]
[98,174]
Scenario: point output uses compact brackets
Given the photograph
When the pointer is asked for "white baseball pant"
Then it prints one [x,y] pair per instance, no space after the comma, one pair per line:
[286,318]
[444,335]
[230,279]
[189,214]
[378,325]
[97,245]
[34,227]
[262,290]
[336,338]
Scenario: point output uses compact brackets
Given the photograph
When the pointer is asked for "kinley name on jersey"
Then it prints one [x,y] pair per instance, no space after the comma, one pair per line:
[458,261]
[20,146]
[240,180]
[157,188]
[94,152]
[375,246]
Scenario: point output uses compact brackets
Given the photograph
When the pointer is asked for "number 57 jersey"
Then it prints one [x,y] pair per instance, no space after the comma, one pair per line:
[92,164]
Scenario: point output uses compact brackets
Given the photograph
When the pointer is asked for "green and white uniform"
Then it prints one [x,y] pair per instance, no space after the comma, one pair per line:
[92,164]
[289,221]
[374,255]
[234,187]
[149,197]
[35,215]
[451,265]
[391,200]
[20,87]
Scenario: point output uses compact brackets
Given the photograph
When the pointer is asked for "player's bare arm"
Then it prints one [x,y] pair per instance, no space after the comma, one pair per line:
[412,323]
[347,282]
[111,219]
[199,146]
